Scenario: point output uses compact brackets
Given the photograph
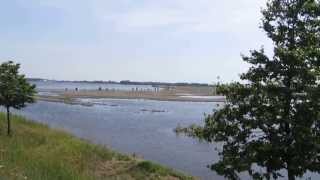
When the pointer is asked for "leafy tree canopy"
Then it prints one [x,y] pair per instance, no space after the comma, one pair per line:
[15,91]
[271,122]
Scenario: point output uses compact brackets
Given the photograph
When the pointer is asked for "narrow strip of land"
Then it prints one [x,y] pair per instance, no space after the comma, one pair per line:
[180,93]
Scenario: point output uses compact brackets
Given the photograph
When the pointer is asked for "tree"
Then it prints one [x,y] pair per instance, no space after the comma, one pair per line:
[271,121]
[15,91]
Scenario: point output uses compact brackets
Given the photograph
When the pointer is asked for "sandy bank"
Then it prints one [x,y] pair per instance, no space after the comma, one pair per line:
[183,93]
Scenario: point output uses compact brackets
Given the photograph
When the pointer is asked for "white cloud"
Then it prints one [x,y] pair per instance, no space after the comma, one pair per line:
[185,40]
[181,15]
[190,16]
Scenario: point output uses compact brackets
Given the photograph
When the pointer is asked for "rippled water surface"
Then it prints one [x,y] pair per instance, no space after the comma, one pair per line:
[142,127]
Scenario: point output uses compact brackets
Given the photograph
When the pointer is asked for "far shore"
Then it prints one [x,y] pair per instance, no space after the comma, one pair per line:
[180,93]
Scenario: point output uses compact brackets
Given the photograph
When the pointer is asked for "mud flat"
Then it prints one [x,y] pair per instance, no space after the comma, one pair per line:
[180,93]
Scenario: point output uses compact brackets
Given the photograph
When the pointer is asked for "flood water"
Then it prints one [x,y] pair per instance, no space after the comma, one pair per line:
[143,127]
[61,86]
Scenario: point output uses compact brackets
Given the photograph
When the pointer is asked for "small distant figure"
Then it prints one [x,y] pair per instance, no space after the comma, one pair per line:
[156,89]
[76,89]
[100,89]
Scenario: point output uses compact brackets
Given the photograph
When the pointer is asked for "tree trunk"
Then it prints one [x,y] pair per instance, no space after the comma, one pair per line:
[291,176]
[8,120]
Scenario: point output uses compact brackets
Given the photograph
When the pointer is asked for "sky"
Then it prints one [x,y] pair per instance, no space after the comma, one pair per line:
[138,40]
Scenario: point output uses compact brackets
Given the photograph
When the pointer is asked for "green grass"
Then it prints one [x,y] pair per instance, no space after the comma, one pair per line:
[36,152]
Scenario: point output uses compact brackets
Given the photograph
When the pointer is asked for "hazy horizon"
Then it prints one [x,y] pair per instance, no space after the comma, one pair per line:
[106,80]
[167,41]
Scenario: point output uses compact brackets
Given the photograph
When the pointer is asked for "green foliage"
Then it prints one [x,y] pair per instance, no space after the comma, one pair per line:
[193,131]
[271,123]
[15,91]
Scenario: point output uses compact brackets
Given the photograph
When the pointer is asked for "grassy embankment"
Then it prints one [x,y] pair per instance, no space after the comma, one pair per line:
[37,152]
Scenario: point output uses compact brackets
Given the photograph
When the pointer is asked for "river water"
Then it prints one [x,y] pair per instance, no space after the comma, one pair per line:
[142,127]
[61,86]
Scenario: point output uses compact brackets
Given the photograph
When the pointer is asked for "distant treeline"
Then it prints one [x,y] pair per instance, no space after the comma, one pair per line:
[127,82]
[162,83]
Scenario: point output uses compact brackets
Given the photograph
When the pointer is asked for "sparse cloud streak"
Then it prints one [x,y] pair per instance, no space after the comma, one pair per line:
[168,40]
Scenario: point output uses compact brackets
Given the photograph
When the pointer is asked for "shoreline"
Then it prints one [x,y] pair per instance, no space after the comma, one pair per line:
[56,153]
[74,101]
[180,94]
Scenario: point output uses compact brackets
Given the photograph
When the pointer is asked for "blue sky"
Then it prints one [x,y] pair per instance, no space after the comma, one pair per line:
[141,40]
